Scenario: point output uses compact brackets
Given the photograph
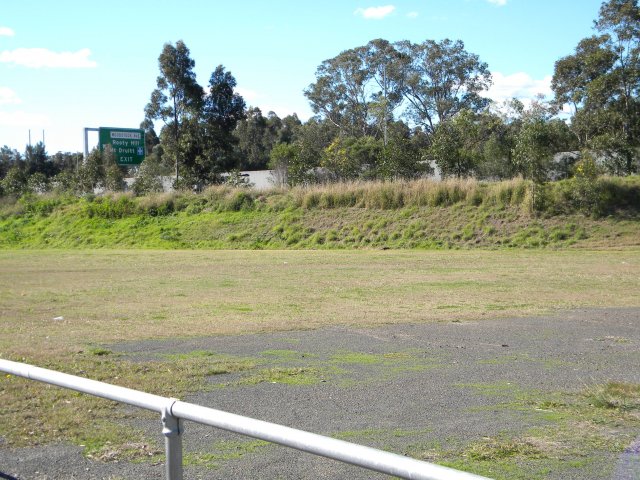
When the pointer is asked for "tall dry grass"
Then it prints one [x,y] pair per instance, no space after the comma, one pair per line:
[415,193]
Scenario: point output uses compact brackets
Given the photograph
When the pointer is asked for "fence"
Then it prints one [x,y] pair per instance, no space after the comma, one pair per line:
[173,412]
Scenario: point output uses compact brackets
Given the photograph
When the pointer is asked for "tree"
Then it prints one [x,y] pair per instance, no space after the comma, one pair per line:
[290,129]
[151,138]
[358,90]
[211,138]
[442,80]
[8,158]
[340,92]
[315,135]
[253,147]
[282,157]
[14,182]
[91,174]
[148,177]
[36,160]
[351,158]
[66,161]
[404,155]
[387,68]
[539,138]
[601,81]
[177,98]
[455,145]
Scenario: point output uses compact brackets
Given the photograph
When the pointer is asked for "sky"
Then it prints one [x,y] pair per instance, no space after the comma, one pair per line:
[66,64]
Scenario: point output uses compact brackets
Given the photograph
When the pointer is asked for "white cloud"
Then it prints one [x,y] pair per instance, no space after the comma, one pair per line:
[6,32]
[8,97]
[23,119]
[248,94]
[41,57]
[375,13]
[499,3]
[412,14]
[519,85]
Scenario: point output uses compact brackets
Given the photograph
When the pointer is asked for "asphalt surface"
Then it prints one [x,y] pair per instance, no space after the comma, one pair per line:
[403,388]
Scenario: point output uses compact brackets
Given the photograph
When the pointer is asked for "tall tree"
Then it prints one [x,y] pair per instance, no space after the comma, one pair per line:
[290,129]
[253,147]
[601,81]
[178,97]
[8,159]
[36,159]
[359,89]
[340,92]
[387,67]
[223,109]
[442,80]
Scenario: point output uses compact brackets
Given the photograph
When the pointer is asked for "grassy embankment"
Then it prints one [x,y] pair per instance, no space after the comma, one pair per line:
[420,214]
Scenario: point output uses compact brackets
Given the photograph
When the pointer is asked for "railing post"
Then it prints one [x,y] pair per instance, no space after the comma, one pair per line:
[172,430]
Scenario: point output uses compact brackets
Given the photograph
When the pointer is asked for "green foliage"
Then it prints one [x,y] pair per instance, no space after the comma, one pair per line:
[454,146]
[148,179]
[110,207]
[597,197]
[91,174]
[442,79]
[256,136]
[283,157]
[601,82]
[15,182]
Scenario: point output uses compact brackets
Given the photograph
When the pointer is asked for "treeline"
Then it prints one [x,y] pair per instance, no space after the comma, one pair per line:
[382,111]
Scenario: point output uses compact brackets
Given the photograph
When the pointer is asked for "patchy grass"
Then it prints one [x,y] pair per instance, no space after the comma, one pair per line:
[287,376]
[615,395]
[495,449]
[357,358]
[60,309]
[224,451]
[379,434]
[575,434]
[43,413]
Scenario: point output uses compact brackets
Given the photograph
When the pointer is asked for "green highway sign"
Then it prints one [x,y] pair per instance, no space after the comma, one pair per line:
[126,144]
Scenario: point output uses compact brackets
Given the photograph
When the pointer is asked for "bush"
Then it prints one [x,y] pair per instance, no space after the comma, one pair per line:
[239,200]
[111,207]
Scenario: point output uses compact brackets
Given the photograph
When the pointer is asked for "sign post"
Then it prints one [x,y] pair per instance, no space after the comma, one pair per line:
[126,144]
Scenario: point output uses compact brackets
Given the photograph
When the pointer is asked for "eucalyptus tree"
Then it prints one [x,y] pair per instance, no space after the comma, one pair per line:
[340,93]
[177,99]
[386,66]
[442,80]
[359,90]
[601,82]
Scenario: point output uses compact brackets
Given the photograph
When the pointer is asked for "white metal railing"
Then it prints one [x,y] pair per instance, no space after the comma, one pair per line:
[174,411]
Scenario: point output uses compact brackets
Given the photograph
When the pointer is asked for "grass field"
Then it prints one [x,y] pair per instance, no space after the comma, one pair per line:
[60,309]
[55,302]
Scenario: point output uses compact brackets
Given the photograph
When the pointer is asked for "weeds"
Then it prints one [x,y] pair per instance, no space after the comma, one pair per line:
[615,395]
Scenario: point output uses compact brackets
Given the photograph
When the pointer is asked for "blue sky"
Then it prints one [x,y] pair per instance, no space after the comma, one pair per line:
[67,64]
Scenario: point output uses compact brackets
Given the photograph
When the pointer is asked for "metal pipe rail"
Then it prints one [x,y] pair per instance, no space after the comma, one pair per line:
[174,411]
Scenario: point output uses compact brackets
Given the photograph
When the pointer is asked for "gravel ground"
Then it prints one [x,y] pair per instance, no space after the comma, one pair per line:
[398,387]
